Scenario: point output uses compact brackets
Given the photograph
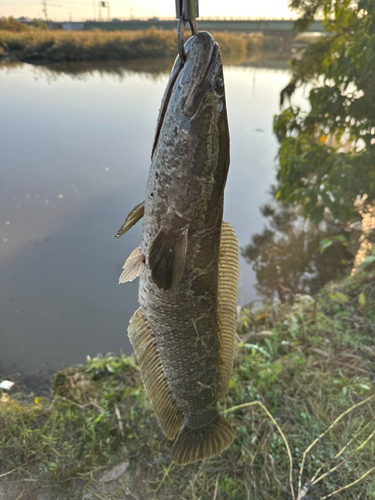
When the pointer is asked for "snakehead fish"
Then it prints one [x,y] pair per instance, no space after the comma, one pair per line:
[184,332]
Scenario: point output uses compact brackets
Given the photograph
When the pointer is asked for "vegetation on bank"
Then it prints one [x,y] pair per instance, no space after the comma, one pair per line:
[11,24]
[327,153]
[62,46]
[301,366]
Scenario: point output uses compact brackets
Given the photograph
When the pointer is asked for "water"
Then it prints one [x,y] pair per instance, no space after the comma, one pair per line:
[75,145]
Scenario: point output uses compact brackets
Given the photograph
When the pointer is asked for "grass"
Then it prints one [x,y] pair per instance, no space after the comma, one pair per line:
[302,382]
[60,46]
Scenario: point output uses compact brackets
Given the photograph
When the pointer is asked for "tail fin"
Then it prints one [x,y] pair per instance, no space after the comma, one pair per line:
[205,442]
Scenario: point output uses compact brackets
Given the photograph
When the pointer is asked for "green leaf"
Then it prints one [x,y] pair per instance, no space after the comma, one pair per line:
[257,348]
[324,244]
[339,297]
[341,238]
[364,387]
[362,299]
[368,260]
[99,418]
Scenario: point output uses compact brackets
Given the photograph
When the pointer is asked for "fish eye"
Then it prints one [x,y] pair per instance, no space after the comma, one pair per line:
[219,86]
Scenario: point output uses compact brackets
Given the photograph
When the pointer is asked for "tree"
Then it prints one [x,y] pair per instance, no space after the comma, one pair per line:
[38,24]
[327,155]
[11,24]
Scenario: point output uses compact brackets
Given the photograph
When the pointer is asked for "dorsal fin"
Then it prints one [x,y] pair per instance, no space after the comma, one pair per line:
[132,218]
[167,257]
[227,298]
[133,266]
[153,375]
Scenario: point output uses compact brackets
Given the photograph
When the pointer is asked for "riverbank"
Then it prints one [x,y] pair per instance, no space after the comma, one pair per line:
[301,367]
[60,46]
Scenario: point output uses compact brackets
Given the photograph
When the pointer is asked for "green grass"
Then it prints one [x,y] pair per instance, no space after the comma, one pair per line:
[60,46]
[305,364]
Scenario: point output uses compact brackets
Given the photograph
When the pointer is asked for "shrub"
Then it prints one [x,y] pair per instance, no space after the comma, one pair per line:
[11,24]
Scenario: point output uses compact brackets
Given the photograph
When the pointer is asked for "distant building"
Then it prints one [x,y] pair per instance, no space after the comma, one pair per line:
[275,27]
[24,20]
[66,26]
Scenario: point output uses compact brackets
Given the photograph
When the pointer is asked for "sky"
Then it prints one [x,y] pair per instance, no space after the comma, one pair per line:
[77,10]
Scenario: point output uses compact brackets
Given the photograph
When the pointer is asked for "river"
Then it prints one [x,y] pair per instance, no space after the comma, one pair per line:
[75,143]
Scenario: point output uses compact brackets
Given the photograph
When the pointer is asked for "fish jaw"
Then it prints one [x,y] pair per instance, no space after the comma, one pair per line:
[192,79]
[198,72]
[197,76]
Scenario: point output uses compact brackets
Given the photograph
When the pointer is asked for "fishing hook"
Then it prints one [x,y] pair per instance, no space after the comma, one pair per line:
[186,11]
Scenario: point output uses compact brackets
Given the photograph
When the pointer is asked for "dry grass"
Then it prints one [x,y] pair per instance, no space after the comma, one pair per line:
[60,46]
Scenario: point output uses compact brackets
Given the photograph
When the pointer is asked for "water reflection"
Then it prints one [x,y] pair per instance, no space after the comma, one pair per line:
[288,257]
[149,68]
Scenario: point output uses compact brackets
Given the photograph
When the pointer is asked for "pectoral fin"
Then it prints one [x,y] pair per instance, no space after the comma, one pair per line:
[226,303]
[152,372]
[167,257]
[132,218]
[133,266]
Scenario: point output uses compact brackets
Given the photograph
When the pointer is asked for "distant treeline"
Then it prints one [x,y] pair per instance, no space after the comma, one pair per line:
[62,46]
[11,24]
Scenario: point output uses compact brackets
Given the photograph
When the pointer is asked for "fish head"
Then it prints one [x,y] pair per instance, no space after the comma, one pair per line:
[201,74]
[189,83]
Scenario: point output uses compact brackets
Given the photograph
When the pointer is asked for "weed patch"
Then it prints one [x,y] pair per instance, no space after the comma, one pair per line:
[60,46]
[302,388]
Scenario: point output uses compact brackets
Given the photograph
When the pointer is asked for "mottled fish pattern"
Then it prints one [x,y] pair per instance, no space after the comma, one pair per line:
[183,334]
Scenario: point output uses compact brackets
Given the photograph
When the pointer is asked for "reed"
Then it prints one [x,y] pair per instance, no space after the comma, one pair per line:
[62,46]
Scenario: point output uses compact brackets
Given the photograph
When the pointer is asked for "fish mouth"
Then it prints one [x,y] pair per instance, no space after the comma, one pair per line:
[165,101]
[192,79]
[198,72]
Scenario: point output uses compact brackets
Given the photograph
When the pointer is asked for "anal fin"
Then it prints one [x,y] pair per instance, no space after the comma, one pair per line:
[132,218]
[205,442]
[133,266]
[226,303]
[167,257]
[153,375]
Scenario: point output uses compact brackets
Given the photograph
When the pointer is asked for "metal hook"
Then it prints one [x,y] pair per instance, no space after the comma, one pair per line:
[190,9]
[186,11]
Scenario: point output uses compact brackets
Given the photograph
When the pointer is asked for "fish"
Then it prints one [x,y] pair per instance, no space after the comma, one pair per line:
[183,333]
